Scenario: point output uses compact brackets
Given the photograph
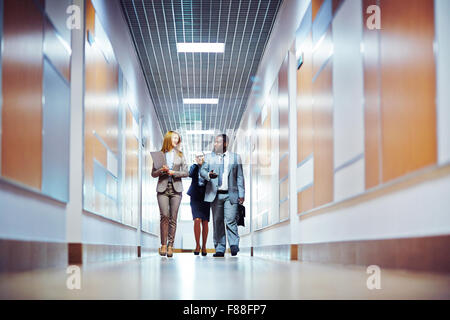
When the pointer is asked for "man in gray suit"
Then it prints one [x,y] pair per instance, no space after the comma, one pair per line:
[225,189]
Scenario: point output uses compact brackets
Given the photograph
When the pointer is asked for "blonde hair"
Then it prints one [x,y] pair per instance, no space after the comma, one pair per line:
[167,142]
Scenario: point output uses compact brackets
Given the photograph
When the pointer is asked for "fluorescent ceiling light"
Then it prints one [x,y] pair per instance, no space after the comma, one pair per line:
[201,47]
[200,101]
[200,132]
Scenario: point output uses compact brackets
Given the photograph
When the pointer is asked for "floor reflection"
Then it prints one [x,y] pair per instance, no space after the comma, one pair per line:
[186,276]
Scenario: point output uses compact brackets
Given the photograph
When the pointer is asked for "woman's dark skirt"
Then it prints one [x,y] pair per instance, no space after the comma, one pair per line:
[200,209]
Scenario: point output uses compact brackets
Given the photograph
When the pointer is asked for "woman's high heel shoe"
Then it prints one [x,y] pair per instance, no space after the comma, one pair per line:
[196,252]
[163,250]
[169,252]
[204,253]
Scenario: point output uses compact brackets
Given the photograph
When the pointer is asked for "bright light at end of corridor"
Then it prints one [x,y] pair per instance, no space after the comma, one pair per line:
[200,101]
[201,47]
[200,132]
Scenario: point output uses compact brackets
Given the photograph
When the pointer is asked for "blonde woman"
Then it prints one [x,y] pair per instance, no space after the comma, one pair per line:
[171,168]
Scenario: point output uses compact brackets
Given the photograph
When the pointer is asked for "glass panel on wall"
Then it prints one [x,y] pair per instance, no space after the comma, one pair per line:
[263,172]
[242,146]
[55,135]
[34,98]
[283,107]
[150,210]
[112,132]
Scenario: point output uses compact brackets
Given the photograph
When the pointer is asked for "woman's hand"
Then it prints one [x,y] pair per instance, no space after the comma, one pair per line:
[171,172]
[165,169]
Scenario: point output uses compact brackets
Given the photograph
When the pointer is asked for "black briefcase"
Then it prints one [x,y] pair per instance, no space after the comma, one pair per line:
[240,217]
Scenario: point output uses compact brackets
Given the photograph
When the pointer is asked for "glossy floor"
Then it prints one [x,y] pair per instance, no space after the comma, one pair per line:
[186,276]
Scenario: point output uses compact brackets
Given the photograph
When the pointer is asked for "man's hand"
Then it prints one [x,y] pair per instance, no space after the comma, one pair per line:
[213,175]
[241,200]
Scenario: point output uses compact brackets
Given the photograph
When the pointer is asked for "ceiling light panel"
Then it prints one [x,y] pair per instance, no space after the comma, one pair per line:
[201,47]
[243,28]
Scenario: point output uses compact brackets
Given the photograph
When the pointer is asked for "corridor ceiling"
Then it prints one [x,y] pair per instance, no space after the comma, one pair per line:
[157,26]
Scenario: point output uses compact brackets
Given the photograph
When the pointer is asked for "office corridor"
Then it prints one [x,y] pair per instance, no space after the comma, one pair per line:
[322,126]
[187,277]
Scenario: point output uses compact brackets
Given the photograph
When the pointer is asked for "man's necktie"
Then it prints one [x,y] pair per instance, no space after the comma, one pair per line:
[221,168]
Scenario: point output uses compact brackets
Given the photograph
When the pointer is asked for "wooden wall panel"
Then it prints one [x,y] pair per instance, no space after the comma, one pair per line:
[322,52]
[22,93]
[90,18]
[102,128]
[408,87]
[372,98]
[399,92]
[323,137]
[316,4]
[306,199]
[106,111]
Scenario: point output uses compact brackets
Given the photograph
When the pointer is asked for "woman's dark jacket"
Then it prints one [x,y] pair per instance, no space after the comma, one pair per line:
[196,192]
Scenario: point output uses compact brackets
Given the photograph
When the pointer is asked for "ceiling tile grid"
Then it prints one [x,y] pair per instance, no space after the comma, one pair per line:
[157,26]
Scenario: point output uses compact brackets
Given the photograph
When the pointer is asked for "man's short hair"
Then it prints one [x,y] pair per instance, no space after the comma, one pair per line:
[224,137]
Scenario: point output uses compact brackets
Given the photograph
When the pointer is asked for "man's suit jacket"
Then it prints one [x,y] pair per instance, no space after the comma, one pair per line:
[179,167]
[236,184]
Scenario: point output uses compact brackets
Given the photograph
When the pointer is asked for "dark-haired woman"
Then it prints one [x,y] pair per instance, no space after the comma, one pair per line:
[200,208]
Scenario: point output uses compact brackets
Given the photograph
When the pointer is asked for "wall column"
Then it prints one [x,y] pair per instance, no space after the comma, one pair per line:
[74,209]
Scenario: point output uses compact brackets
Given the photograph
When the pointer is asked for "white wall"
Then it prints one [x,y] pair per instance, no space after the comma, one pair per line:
[29,216]
[150,241]
[420,210]
[25,216]
[442,8]
[282,37]
[75,204]
[96,229]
